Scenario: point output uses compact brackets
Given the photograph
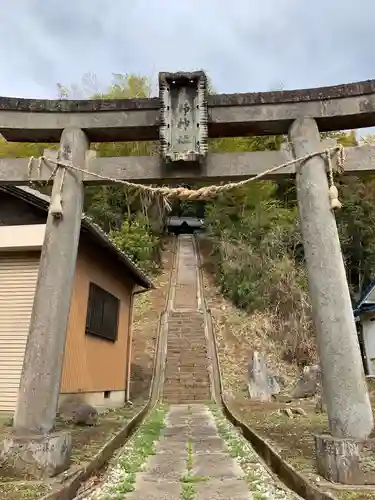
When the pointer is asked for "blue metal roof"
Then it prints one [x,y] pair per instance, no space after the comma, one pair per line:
[364,304]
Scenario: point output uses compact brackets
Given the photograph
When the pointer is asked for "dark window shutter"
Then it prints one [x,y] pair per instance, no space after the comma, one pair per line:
[102,313]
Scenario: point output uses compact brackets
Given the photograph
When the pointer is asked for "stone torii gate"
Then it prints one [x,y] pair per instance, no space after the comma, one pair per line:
[182,118]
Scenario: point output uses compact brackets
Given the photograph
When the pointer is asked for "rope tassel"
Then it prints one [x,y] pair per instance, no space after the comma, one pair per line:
[55,208]
[333,191]
[334,197]
[56,205]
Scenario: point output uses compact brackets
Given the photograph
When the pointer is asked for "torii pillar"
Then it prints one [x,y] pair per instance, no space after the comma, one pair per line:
[344,385]
[34,448]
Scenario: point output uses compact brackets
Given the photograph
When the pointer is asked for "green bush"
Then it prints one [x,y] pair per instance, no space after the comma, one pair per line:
[256,251]
[136,239]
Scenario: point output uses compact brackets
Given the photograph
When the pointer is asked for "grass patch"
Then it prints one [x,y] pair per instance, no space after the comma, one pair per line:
[121,479]
[190,455]
[188,489]
[15,491]
[5,426]
[194,479]
[261,483]
[352,495]
[87,442]
[355,495]
[292,437]
[188,480]
[147,309]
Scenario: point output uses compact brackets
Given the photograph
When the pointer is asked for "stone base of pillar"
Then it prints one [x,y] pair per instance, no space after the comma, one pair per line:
[338,459]
[36,456]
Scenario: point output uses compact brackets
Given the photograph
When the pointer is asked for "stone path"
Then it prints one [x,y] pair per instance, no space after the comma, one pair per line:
[191,458]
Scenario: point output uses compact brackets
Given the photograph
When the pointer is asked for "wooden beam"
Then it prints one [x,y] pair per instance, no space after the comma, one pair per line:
[261,113]
[149,169]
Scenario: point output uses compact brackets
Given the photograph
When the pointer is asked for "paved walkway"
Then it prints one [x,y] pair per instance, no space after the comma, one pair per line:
[190,455]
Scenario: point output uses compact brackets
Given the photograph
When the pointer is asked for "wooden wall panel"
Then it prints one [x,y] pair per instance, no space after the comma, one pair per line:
[93,364]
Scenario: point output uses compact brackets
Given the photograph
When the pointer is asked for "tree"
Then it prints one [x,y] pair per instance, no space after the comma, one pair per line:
[109,205]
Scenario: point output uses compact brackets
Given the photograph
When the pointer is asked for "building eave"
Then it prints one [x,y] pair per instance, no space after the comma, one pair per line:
[87,225]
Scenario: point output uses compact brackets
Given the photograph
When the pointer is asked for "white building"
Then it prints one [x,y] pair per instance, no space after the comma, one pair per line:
[364,314]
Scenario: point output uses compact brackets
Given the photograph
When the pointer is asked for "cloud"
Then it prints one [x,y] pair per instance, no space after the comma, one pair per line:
[243,45]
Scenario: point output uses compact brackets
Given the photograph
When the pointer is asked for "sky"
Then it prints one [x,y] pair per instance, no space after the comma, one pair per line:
[243,45]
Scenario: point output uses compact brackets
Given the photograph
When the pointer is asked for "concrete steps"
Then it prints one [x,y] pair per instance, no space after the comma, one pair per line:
[186,371]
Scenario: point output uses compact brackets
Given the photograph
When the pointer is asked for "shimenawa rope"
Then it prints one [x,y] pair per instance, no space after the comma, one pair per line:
[204,193]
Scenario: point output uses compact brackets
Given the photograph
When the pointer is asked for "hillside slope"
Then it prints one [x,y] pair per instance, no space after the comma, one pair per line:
[238,334]
[147,309]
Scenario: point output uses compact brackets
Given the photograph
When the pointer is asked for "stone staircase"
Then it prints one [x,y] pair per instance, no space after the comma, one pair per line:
[186,378]
[186,373]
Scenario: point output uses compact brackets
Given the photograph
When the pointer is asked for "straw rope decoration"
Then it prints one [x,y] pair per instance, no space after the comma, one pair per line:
[166,193]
